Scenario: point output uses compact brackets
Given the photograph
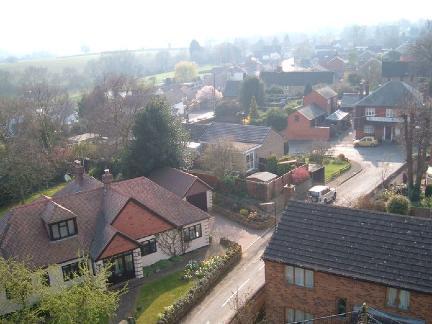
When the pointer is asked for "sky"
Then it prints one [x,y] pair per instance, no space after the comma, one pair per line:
[62,27]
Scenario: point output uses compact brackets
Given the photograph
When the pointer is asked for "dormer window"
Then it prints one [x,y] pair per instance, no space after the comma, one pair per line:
[63,229]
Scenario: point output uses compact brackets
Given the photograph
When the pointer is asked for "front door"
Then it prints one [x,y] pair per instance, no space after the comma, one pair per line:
[122,268]
[388,133]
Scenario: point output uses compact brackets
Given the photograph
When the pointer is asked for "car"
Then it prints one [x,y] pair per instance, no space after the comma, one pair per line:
[322,194]
[367,141]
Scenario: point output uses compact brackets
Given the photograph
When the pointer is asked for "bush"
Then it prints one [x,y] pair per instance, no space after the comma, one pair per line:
[398,205]
[341,157]
[300,175]
[276,118]
[428,191]
[244,212]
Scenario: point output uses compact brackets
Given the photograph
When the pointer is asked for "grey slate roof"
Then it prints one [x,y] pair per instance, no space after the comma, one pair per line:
[396,69]
[311,111]
[389,249]
[326,92]
[234,132]
[232,89]
[391,94]
[297,78]
[349,100]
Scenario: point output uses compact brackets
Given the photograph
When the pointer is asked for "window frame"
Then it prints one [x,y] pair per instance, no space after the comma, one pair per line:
[293,316]
[250,160]
[197,232]
[291,277]
[370,112]
[62,224]
[370,127]
[74,273]
[390,113]
[150,245]
[397,301]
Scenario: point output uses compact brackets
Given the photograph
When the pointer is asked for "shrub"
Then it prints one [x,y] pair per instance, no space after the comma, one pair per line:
[428,191]
[300,175]
[398,205]
[341,157]
[244,212]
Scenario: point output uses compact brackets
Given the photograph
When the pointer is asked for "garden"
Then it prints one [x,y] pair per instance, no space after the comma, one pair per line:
[168,299]
[335,166]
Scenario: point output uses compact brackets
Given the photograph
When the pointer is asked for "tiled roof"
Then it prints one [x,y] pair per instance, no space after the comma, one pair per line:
[234,132]
[397,69]
[349,99]
[175,180]
[87,183]
[54,212]
[384,248]
[232,89]
[391,94]
[297,78]
[311,111]
[326,92]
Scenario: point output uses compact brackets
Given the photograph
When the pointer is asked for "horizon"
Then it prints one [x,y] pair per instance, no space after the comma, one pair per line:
[86,25]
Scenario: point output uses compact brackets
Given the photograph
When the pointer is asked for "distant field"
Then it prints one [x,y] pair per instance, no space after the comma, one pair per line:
[162,76]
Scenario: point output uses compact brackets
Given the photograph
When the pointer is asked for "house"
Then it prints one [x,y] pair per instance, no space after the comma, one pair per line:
[324,97]
[252,144]
[185,185]
[348,101]
[117,222]
[398,70]
[378,114]
[232,89]
[306,124]
[336,65]
[324,260]
[297,78]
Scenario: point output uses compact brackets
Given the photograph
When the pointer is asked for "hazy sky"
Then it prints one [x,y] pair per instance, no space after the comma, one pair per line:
[63,26]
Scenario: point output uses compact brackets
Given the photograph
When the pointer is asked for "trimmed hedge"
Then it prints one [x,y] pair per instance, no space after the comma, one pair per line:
[236,217]
[175,312]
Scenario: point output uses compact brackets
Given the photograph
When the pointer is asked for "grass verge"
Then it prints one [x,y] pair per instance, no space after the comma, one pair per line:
[333,170]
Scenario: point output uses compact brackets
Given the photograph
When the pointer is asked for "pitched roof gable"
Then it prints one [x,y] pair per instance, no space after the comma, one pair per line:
[55,212]
[236,133]
[311,111]
[326,92]
[86,184]
[119,243]
[391,94]
[384,248]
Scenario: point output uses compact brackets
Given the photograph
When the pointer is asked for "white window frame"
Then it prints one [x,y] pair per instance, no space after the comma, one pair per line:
[250,165]
[390,113]
[367,129]
[299,276]
[296,315]
[370,112]
[399,298]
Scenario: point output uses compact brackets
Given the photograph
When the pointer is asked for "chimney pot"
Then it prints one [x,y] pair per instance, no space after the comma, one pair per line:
[78,170]
[107,178]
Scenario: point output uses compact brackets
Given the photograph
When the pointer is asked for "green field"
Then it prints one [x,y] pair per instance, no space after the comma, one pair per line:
[331,170]
[158,294]
[47,192]
[162,76]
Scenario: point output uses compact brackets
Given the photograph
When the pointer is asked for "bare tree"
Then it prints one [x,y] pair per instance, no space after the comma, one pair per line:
[422,50]
[244,308]
[219,158]
[172,242]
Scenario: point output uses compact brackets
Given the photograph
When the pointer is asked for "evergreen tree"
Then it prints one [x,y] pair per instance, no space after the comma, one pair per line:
[253,111]
[159,141]
[251,87]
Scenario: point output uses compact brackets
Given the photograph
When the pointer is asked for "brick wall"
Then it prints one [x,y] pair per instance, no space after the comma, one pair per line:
[321,300]
[302,129]
[315,98]
[273,145]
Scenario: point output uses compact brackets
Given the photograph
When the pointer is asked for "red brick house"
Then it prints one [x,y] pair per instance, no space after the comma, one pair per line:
[304,124]
[185,185]
[336,65]
[378,114]
[111,221]
[325,260]
[324,97]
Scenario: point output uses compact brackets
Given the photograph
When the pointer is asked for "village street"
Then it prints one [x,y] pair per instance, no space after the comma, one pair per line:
[248,276]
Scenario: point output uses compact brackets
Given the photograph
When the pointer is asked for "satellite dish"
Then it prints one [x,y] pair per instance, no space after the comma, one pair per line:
[67,177]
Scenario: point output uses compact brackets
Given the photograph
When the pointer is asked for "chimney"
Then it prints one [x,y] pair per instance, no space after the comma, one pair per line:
[78,171]
[107,178]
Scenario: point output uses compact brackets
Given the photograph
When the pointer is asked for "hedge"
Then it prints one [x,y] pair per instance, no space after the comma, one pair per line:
[175,312]
[236,217]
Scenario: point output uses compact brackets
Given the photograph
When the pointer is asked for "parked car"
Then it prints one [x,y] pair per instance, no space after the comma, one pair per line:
[366,141]
[322,194]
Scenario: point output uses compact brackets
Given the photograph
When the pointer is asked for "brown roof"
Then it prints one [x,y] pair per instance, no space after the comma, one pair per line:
[87,183]
[175,180]
[24,233]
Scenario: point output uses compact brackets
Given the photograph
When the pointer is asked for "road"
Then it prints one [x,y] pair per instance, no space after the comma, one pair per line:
[377,163]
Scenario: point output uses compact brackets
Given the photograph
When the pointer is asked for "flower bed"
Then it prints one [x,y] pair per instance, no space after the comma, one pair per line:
[215,271]
[255,223]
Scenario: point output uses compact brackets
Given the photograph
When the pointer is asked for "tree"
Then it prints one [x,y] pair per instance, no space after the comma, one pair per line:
[354,79]
[219,158]
[207,94]
[159,140]
[422,50]
[276,118]
[253,111]
[196,51]
[228,53]
[251,87]
[398,205]
[185,71]
[172,242]
[417,136]
[228,111]
[120,63]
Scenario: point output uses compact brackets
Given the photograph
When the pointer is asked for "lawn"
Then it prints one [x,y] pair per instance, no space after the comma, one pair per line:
[332,169]
[158,294]
[47,192]
[159,78]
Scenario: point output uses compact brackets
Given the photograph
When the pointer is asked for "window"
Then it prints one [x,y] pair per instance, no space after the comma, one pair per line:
[63,229]
[398,298]
[390,113]
[299,276]
[46,279]
[192,232]
[72,270]
[369,129]
[148,247]
[370,112]
[341,307]
[296,315]
[250,161]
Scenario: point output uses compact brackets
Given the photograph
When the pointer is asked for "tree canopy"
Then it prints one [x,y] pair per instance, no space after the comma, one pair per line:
[159,140]
[185,71]
[251,87]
